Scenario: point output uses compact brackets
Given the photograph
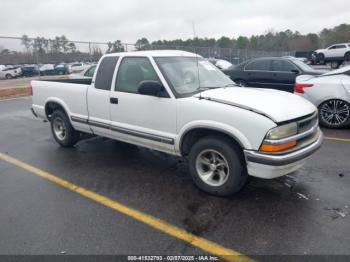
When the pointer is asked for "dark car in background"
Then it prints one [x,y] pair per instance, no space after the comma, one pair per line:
[30,70]
[61,69]
[270,72]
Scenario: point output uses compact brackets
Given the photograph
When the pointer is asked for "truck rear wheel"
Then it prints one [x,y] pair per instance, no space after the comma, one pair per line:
[217,166]
[62,130]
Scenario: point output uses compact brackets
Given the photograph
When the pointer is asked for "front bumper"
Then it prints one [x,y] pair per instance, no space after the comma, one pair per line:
[271,166]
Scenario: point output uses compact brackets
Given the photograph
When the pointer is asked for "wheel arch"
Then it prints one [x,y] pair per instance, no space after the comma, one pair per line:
[53,104]
[188,136]
[327,98]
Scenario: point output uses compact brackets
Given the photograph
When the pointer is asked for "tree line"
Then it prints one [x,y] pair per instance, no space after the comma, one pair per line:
[60,48]
[271,41]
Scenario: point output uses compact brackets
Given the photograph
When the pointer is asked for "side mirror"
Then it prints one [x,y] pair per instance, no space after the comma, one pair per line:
[151,88]
[295,71]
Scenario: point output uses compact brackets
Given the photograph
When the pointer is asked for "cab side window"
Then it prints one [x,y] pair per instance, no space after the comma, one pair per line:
[258,65]
[132,71]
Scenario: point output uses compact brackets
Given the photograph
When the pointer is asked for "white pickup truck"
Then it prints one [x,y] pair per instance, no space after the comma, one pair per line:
[179,103]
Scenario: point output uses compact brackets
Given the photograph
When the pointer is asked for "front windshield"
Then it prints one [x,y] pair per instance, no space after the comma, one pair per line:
[302,65]
[189,75]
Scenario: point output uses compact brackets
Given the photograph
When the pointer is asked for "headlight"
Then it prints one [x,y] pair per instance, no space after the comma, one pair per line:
[277,133]
[283,131]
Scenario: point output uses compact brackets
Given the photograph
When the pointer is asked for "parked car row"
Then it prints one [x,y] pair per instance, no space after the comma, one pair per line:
[13,71]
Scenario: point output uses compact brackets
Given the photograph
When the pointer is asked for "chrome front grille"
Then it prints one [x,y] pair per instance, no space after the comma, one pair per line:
[307,123]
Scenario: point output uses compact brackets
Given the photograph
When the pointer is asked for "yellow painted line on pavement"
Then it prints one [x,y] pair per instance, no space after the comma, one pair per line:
[337,139]
[199,242]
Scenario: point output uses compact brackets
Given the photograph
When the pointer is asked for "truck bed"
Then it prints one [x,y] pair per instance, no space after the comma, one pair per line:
[83,81]
[69,93]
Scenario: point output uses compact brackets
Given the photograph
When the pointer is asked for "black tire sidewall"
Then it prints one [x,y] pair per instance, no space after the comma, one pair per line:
[322,123]
[72,136]
[347,57]
[237,176]
[320,58]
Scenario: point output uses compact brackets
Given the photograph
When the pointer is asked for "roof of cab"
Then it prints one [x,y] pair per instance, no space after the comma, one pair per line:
[155,53]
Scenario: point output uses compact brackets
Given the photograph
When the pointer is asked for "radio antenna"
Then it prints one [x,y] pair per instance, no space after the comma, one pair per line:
[194,29]
[194,36]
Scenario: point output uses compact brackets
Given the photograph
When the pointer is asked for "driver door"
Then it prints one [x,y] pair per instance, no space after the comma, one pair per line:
[144,120]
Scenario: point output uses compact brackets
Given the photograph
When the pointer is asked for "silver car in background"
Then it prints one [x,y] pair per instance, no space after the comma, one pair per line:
[87,73]
[330,93]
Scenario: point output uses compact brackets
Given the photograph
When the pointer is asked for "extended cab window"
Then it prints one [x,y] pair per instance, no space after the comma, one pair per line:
[259,65]
[132,71]
[105,73]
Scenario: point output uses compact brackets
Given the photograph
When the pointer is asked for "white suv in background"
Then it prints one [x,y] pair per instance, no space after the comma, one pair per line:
[334,53]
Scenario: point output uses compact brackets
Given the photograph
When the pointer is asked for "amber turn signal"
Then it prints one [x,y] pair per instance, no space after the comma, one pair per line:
[277,147]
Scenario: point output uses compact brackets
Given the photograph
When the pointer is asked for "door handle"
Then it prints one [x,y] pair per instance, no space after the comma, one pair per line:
[113,100]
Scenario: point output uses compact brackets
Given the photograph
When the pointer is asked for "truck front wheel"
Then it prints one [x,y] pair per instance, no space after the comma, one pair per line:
[62,130]
[217,166]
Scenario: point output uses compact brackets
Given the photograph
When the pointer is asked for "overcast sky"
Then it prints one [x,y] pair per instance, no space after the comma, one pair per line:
[128,20]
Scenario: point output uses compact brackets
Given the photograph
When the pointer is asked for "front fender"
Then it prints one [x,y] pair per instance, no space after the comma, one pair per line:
[217,126]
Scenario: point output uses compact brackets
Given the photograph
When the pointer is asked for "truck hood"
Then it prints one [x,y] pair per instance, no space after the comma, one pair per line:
[279,106]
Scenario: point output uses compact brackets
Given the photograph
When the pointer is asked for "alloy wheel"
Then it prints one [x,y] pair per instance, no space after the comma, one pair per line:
[335,112]
[59,128]
[212,167]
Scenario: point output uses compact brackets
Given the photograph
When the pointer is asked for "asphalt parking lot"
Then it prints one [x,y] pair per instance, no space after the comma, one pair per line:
[304,213]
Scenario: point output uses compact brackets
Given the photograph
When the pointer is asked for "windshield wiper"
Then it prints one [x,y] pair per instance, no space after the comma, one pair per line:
[207,87]
[230,85]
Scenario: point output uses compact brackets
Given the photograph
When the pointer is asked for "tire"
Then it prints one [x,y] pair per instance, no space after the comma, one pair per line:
[330,119]
[335,65]
[320,59]
[241,82]
[8,76]
[62,130]
[230,173]
[347,57]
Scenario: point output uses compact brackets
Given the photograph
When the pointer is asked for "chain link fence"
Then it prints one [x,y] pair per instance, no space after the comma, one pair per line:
[25,51]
